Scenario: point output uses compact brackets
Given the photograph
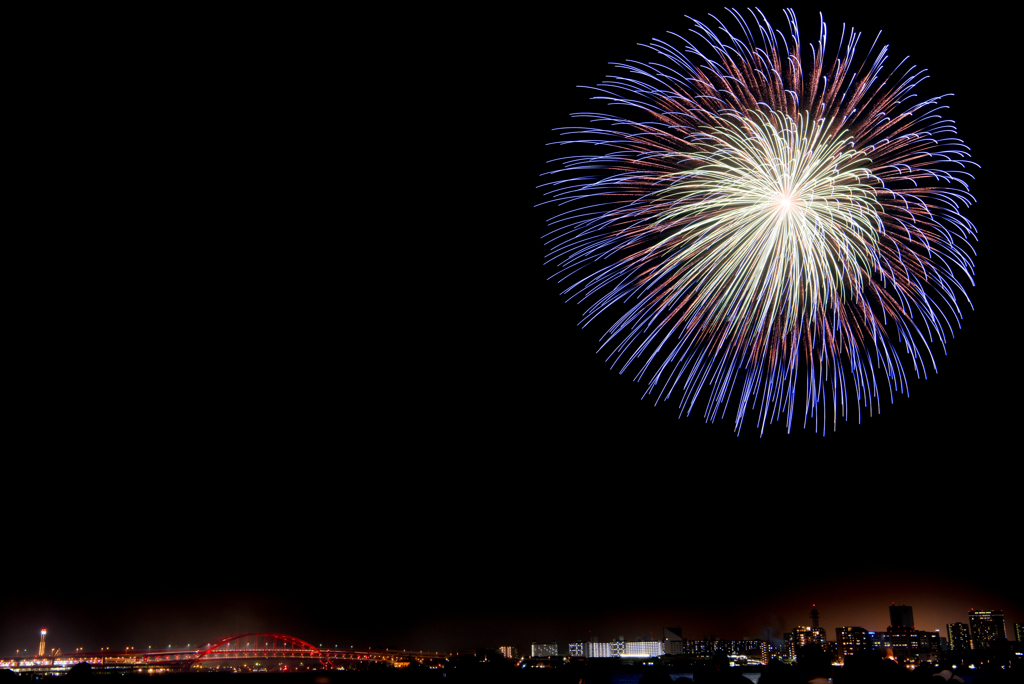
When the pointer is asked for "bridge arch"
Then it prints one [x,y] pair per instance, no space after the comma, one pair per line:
[222,647]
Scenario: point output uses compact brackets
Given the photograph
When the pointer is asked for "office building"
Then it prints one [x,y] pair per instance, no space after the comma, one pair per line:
[986,626]
[673,642]
[911,644]
[801,636]
[543,650]
[959,637]
[852,639]
[901,616]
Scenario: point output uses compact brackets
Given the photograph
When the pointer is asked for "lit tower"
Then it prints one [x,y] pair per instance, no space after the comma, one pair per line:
[42,642]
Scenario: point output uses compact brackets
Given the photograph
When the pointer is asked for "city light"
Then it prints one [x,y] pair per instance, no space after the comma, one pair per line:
[900,643]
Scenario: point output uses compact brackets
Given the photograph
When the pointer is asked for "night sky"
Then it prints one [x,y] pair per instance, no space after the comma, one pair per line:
[346,404]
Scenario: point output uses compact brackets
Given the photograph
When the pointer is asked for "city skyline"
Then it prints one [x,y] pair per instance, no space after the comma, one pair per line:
[626,630]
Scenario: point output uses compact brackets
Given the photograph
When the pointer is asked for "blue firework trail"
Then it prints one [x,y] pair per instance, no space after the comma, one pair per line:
[758,216]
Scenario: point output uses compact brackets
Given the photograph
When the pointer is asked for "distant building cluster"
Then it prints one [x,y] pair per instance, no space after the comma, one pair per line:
[901,640]
[982,630]
[752,650]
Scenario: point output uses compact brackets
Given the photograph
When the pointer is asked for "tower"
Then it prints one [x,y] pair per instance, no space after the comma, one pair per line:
[818,632]
[901,616]
[42,642]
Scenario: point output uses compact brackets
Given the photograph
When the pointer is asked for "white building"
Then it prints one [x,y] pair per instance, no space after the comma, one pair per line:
[616,649]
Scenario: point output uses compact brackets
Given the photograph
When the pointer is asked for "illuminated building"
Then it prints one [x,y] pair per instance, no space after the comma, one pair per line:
[747,647]
[616,649]
[818,632]
[959,637]
[788,649]
[673,642]
[42,642]
[543,650]
[705,648]
[1018,631]
[910,644]
[905,642]
[851,640]
[510,652]
[901,616]
[642,649]
[801,636]
[986,626]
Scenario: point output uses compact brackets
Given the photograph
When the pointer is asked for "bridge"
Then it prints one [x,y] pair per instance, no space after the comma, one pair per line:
[268,650]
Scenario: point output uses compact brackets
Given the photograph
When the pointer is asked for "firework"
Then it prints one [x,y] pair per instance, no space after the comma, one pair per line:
[758,217]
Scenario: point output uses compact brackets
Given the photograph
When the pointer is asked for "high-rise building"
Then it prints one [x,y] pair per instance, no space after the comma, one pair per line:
[1018,631]
[42,642]
[986,626]
[901,616]
[543,650]
[959,637]
[509,652]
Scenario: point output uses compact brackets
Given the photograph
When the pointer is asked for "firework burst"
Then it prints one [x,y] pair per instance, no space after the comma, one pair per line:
[758,217]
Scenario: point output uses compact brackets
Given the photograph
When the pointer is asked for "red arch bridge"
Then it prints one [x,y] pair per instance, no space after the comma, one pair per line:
[265,649]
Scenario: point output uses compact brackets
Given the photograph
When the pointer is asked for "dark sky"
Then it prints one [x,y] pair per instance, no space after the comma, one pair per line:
[349,407]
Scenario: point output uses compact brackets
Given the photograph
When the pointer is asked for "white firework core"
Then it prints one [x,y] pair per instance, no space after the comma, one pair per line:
[761,224]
